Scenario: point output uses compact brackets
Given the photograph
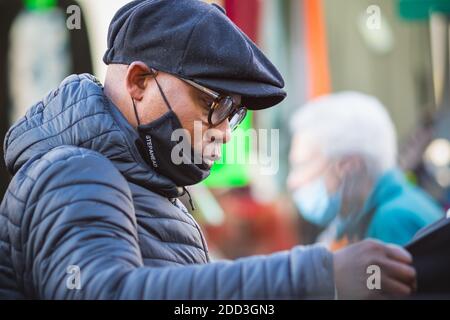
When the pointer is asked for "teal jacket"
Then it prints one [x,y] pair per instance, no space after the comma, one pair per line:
[396,210]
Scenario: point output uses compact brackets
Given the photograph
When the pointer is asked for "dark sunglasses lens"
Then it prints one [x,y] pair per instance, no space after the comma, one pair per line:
[237,117]
[222,110]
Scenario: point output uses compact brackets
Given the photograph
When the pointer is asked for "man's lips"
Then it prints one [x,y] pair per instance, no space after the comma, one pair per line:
[209,160]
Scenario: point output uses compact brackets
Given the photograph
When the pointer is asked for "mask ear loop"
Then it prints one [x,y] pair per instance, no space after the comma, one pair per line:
[135,112]
[162,94]
[152,73]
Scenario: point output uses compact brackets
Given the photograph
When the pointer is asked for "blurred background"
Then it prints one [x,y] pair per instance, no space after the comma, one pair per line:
[320,46]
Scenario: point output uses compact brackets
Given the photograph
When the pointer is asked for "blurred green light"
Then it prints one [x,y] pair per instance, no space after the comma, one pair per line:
[232,175]
[40,4]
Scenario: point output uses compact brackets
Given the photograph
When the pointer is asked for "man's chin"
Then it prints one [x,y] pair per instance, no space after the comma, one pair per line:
[208,163]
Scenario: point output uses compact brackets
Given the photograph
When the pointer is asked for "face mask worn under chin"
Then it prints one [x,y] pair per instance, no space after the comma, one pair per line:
[157,147]
[315,204]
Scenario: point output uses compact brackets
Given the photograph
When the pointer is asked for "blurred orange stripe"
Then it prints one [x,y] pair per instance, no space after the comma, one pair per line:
[316,49]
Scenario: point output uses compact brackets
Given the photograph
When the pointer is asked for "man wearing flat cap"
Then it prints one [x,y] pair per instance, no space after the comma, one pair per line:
[92,209]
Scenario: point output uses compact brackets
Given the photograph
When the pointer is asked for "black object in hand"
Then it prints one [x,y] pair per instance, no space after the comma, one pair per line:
[430,249]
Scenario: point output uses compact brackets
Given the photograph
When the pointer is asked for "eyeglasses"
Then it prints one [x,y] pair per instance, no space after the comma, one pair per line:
[221,108]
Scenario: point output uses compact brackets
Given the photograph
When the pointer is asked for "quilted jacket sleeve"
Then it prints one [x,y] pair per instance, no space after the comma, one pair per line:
[80,217]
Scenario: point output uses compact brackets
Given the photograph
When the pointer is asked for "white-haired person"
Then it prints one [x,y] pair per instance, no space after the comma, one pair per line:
[344,176]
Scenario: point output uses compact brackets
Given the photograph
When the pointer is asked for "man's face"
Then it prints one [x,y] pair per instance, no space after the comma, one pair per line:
[308,163]
[191,107]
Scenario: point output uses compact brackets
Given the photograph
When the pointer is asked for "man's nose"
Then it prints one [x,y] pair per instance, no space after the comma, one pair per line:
[225,131]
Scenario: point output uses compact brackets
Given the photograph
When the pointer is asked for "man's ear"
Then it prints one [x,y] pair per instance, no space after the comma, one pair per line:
[136,80]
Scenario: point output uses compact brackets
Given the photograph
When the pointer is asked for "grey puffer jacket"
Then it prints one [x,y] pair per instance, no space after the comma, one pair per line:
[81,195]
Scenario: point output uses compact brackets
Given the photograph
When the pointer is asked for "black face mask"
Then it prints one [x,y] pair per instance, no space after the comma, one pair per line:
[156,146]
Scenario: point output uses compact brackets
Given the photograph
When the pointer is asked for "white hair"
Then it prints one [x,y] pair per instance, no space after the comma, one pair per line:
[350,123]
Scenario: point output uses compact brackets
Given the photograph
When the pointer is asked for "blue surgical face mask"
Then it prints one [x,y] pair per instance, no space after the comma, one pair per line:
[315,204]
